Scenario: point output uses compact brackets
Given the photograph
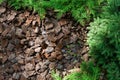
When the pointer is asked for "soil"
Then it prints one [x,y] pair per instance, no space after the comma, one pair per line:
[31,48]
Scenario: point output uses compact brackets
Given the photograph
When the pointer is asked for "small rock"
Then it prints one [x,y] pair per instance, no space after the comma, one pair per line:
[4,59]
[29,51]
[29,67]
[73,38]
[37,67]
[49,49]
[11,56]
[19,32]
[35,46]
[59,66]
[52,65]
[9,71]
[47,62]
[68,57]
[21,61]
[28,73]
[31,43]
[36,30]
[49,26]
[16,76]
[51,44]
[33,23]
[38,40]
[11,16]
[10,47]
[38,49]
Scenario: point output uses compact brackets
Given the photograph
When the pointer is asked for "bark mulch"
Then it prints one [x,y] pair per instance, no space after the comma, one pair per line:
[31,48]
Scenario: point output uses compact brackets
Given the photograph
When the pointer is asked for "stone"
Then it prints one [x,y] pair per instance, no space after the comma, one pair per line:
[29,51]
[10,47]
[59,66]
[37,67]
[19,32]
[47,62]
[31,43]
[21,61]
[38,49]
[27,74]
[29,67]
[38,40]
[36,30]
[50,44]
[4,59]
[11,16]
[49,49]
[73,38]
[16,76]
[11,56]
[49,26]
[52,65]
[28,21]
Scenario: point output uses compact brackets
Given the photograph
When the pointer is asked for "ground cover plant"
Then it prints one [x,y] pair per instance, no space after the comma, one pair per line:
[104,41]
[81,10]
[88,72]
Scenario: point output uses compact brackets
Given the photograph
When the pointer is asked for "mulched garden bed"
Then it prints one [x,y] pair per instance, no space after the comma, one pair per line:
[30,48]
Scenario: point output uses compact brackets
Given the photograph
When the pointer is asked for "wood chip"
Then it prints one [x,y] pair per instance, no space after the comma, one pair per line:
[2,10]
[49,26]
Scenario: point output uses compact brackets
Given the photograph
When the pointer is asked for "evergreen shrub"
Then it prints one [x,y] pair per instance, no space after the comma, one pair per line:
[81,10]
